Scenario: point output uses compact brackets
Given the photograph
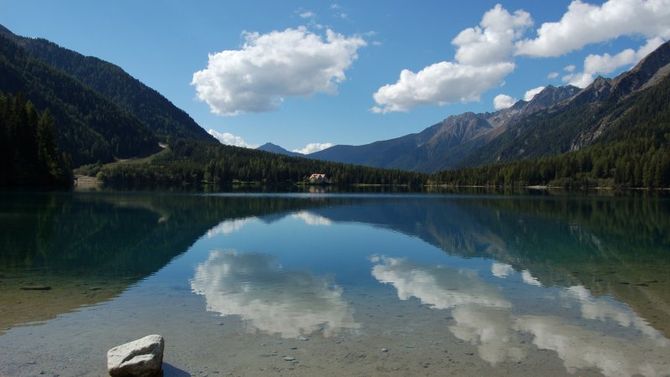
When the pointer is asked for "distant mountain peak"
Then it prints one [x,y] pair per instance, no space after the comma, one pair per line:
[274,148]
[549,96]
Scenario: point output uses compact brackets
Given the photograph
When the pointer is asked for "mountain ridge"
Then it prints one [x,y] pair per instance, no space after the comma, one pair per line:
[41,69]
[274,148]
[570,117]
[89,127]
[445,143]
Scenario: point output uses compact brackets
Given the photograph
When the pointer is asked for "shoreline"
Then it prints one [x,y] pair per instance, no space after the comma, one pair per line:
[90,183]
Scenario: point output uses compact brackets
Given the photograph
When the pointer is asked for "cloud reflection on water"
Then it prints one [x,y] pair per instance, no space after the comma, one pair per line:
[490,329]
[310,218]
[501,270]
[602,309]
[480,312]
[484,318]
[227,227]
[439,287]
[270,299]
[579,348]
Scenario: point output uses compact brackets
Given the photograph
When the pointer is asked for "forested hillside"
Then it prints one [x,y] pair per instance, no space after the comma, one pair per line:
[89,127]
[633,151]
[157,113]
[28,150]
[102,113]
[593,116]
[60,109]
[192,164]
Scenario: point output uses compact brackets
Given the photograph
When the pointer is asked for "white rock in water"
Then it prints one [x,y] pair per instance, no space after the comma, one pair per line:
[139,358]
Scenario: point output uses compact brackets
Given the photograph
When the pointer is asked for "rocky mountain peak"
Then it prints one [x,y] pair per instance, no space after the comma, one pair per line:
[644,73]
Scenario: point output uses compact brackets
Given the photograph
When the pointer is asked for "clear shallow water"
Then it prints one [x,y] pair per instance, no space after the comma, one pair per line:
[345,285]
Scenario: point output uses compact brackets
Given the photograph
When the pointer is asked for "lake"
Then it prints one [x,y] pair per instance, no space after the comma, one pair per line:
[337,285]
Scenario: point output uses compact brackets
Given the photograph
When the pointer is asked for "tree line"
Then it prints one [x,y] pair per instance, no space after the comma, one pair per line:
[28,150]
[193,164]
[639,164]
[635,152]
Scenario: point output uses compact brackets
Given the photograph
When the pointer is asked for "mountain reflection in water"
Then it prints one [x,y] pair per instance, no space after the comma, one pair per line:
[577,284]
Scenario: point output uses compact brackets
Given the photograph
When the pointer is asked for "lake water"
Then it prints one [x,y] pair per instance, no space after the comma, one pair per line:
[337,285]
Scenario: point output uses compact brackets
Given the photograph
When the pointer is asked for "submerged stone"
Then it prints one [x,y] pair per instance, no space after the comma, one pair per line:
[36,288]
[139,358]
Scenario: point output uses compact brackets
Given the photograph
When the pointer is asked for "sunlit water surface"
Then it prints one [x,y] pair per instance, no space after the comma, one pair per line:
[336,285]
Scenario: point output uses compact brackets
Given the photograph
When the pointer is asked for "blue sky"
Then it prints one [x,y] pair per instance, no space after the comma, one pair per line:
[325,93]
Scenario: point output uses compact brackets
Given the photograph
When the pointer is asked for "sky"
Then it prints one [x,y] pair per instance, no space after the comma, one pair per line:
[309,74]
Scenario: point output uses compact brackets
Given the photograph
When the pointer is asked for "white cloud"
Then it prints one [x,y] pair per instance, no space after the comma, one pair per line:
[313,147]
[529,279]
[582,348]
[579,79]
[312,219]
[272,66]
[227,227]
[270,299]
[570,68]
[501,270]
[503,101]
[490,329]
[649,47]
[437,286]
[552,75]
[230,139]
[607,63]
[483,59]
[604,309]
[603,64]
[441,83]
[530,93]
[338,11]
[585,23]
[492,41]
[307,14]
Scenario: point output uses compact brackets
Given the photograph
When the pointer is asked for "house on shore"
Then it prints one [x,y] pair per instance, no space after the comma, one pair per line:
[318,179]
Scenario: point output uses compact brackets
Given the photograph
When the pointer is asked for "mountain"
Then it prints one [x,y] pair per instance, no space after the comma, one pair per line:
[274,148]
[591,116]
[89,127]
[101,113]
[557,120]
[446,144]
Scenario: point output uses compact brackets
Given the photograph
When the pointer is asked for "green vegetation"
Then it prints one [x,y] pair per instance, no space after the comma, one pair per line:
[28,147]
[638,163]
[82,111]
[155,112]
[194,164]
[90,128]
[633,151]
